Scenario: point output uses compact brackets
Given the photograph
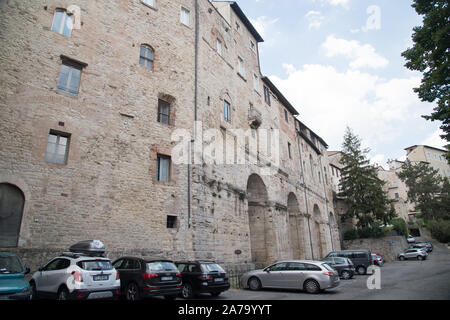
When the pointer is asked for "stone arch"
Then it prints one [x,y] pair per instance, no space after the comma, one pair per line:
[12,203]
[295,227]
[317,236]
[262,237]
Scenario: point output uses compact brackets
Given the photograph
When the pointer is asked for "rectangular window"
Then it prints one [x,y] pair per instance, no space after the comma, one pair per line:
[163,169]
[185,16]
[146,57]
[57,147]
[252,46]
[219,47]
[289,150]
[69,77]
[163,112]
[241,69]
[267,95]
[150,3]
[226,111]
[286,117]
[255,82]
[62,22]
[171,222]
[397,196]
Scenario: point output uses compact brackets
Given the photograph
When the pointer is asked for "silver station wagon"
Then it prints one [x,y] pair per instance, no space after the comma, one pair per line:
[307,275]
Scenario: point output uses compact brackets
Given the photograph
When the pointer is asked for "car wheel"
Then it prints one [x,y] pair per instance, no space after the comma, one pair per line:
[346,275]
[402,258]
[361,270]
[33,291]
[419,258]
[132,292]
[311,286]
[254,284]
[187,291]
[63,294]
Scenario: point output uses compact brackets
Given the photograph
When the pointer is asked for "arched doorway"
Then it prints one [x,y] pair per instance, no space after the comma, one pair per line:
[12,203]
[261,230]
[317,234]
[295,227]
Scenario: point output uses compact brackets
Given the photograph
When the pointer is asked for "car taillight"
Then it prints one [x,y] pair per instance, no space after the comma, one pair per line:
[205,277]
[370,261]
[117,275]
[147,276]
[77,276]
[330,274]
[178,275]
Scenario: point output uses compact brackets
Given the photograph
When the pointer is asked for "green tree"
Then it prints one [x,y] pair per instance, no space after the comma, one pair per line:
[431,56]
[360,186]
[425,189]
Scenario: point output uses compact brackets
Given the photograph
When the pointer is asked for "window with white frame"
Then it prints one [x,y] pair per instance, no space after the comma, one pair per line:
[69,77]
[150,3]
[255,82]
[163,168]
[219,47]
[226,111]
[241,68]
[185,16]
[62,22]
[147,56]
[57,147]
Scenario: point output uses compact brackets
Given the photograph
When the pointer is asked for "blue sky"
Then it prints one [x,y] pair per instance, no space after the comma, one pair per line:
[339,63]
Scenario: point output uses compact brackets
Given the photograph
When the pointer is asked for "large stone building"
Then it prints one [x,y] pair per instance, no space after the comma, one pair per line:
[144,124]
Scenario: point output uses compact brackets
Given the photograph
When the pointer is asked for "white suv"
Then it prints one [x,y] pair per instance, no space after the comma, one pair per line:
[76,276]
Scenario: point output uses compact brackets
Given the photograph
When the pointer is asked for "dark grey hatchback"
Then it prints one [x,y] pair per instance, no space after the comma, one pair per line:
[147,277]
[343,266]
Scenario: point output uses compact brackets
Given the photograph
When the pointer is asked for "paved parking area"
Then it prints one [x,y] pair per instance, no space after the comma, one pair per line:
[400,280]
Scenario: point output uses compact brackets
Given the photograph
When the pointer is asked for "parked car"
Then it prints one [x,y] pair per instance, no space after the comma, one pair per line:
[310,276]
[425,245]
[419,246]
[202,277]
[361,259]
[82,273]
[13,285]
[411,239]
[142,277]
[343,266]
[377,260]
[418,254]
[381,256]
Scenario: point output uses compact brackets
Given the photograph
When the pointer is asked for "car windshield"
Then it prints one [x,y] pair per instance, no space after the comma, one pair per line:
[10,264]
[326,266]
[156,266]
[95,265]
[212,267]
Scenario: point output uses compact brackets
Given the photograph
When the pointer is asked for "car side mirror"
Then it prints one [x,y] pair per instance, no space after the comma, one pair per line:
[40,269]
[27,270]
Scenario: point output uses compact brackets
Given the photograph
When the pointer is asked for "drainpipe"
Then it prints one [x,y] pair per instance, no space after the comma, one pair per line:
[304,190]
[196,49]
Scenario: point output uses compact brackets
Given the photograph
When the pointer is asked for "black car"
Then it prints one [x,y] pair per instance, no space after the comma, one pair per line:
[343,266]
[202,277]
[147,277]
[362,259]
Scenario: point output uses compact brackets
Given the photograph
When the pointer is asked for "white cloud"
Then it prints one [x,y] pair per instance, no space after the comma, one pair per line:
[434,140]
[315,19]
[380,111]
[343,3]
[359,54]
[263,24]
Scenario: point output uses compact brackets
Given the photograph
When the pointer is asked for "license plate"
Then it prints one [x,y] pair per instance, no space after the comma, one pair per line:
[102,277]
[166,278]
[218,280]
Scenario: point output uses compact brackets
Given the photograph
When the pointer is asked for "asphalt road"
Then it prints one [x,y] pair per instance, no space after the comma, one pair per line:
[400,280]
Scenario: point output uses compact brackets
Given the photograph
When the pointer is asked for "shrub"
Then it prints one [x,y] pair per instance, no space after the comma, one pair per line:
[350,234]
[373,231]
[400,226]
[440,230]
